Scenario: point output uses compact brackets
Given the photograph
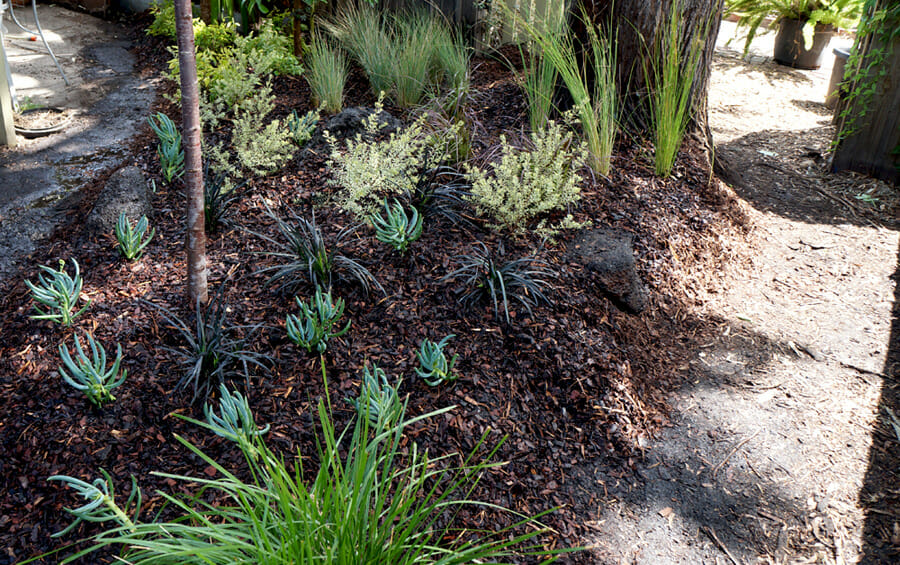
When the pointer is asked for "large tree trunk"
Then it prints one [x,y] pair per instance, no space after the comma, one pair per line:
[193,174]
[636,24]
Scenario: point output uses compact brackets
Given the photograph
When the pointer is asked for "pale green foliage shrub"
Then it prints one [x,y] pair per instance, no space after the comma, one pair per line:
[370,171]
[163,19]
[261,149]
[527,183]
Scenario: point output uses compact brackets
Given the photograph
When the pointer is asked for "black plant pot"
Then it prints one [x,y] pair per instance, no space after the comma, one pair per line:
[790,49]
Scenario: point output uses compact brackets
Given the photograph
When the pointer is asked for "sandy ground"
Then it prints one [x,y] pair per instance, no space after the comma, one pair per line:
[768,458]
[107,102]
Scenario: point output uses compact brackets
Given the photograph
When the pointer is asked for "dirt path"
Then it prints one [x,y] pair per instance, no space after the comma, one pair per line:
[768,458]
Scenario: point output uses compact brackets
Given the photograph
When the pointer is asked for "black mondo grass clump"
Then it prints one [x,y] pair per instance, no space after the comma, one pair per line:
[218,198]
[306,256]
[485,276]
[441,191]
[213,350]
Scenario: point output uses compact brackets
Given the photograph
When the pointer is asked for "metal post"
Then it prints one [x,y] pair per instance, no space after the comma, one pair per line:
[7,129]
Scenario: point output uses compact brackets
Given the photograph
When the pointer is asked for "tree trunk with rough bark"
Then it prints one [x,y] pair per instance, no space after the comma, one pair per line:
[636,25]
[298,29]
[193,170]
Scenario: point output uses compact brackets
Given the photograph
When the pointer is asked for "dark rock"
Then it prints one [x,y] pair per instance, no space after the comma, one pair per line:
[608,255]
[351,122]
[125,191]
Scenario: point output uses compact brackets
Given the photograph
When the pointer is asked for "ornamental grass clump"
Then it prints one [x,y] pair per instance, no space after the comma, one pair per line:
[528,183]
[375,499]
[671,79]
[397,228]
[363,32]
[58,293]
[88,373]
[316,323]
[485,276]
[305,256]
[213,349]
[327,74]
[132,237]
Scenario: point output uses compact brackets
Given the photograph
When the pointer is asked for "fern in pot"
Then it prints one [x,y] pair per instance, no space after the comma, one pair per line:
[805,27]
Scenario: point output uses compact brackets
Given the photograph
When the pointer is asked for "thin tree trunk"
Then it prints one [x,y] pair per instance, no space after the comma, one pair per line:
[206,11]
[193,174]
[298,31]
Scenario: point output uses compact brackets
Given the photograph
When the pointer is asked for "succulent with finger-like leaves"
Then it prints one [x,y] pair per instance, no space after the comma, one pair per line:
[235,419]
[101,505]
[395,227]
[433,365]
[59,293]
[315,326]
[89,373]
[378,400]
[131,236]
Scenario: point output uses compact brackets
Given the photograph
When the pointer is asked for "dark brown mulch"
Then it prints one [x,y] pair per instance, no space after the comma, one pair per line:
[576,386]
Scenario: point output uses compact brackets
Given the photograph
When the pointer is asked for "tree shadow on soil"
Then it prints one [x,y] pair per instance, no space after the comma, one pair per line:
[771,72]
[882,503]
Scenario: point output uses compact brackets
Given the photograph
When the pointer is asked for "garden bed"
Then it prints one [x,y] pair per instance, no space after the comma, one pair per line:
[577,386]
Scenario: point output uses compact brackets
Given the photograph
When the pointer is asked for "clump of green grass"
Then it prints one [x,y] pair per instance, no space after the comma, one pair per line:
[327,74]
[671,80]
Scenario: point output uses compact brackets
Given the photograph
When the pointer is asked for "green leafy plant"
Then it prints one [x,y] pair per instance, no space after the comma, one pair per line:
[170,150]
[362,31]
[433,365]
[213,349]
[378,401]
[218,197]
[315,325]
[327,74]
[484,276]
[395,227]
[753,13]
[306,256]
[302,127]
[528,183]
[369,171]
[101,505]
[261,149]
[234,421]
[131,237]
[592,85]
[163,24]
[671,78]
[58,293]
[369,502]
[89,373]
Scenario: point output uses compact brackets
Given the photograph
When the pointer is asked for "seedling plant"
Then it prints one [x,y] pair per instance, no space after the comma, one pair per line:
[394,227]
[170,150]
[132,237]
[433,365]
[58,293]
[316,323]
[89,373]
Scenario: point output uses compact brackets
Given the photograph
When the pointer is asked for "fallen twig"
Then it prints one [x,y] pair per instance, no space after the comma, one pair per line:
[712,534]
[732,452]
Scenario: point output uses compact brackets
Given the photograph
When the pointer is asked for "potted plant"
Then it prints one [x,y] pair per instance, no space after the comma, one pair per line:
[804,27]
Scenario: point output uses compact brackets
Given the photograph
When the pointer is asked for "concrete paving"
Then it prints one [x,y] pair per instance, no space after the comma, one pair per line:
[108,102]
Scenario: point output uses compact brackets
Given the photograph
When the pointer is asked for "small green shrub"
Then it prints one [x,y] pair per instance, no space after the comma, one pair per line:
[170,149]
[433,365]
[58,293]
[214,37]
[378,401]
[395,227]
[327,74]
[370,171]
[528,183]
[315,326]
[89,373]
[163,19]
[261,149]
[131,237]
[485,276]
[302,127]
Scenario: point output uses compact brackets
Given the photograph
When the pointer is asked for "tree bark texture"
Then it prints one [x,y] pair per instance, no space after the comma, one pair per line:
[636,24]
[193,170]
